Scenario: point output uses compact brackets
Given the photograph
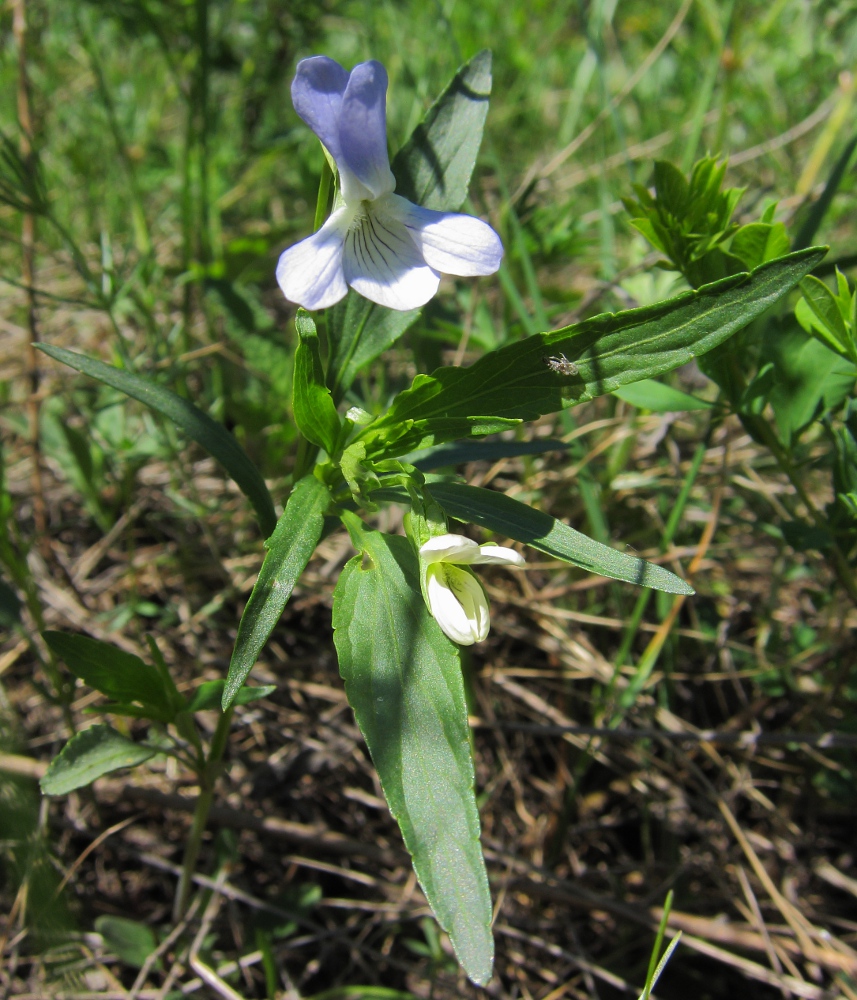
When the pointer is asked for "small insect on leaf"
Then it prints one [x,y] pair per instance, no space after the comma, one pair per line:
[560,364]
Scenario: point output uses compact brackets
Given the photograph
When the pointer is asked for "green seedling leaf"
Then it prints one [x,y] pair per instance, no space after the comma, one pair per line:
[289,549]
[130,941]
[403,680]
[434,167]
[120,675]
[212,436]
[91,753]
[759,242]
[606,352]
[315,412]
[809,378]
[822,315]
[360,331]
[209,695]
[648,394]
[514,519]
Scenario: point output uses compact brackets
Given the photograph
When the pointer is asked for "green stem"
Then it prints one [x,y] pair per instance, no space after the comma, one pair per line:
[209,771]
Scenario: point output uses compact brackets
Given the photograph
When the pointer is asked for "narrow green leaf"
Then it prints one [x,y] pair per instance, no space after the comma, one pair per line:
[648,394]
[403,680]
[607,351]
[818,312]
[289,550]
[315,412]
[96,751]
[414,435]
[541,531]
[214,437]
[434,167]
[478,451]
[120,675]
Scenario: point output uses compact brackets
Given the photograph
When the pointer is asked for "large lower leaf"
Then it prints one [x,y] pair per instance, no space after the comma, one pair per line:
[516,520]
[289,550]
[552,371]
[403,680]
[214,437]
[96,751]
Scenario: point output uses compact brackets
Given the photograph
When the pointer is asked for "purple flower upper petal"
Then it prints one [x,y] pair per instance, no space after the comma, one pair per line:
[317,91]
[363,130]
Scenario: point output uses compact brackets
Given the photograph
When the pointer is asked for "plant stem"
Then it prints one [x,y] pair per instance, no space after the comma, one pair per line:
[209,771]
[28,245]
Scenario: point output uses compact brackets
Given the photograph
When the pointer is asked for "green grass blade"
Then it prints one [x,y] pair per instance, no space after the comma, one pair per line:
[514,519]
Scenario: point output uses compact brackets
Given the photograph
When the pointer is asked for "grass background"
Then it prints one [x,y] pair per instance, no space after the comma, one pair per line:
[174,171]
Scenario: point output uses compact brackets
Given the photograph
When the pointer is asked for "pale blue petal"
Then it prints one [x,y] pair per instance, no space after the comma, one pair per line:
[449,242]
[363,130]
[311,273]
[382,263]
[317,91]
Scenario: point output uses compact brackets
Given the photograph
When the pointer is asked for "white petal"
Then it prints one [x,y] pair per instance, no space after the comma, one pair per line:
[457,603]
[363,132]
[311,273]
[449,242]
[382,263]
[489,553]
[449,548]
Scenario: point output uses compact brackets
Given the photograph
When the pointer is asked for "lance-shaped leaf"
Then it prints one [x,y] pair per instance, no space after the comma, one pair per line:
[516,520]
[552,371]
[403,680]
[120,675]
[434,166]
[413,435]
[315,412]
[289,550]
[214,437]
[96,751]
[649,394]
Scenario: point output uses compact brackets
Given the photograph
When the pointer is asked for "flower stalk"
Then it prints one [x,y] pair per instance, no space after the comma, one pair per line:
[208,771]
